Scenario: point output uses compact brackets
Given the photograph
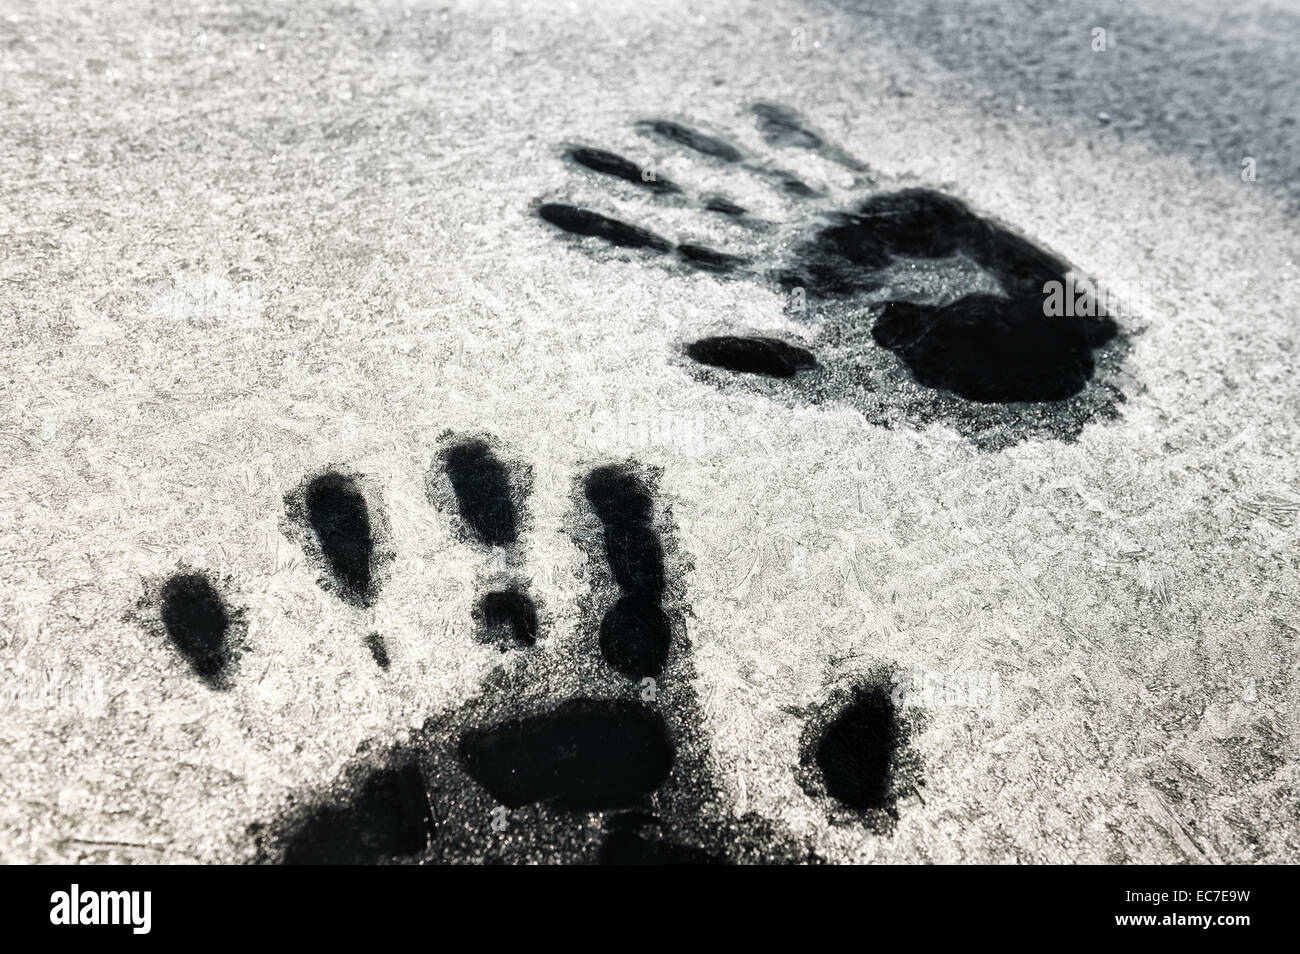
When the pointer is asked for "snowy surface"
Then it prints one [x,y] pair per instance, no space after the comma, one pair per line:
[244,242]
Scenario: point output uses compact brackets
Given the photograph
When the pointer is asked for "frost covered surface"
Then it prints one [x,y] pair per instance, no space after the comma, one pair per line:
[250,243]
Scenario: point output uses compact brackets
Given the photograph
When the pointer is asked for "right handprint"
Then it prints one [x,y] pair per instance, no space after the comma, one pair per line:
[920,310]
